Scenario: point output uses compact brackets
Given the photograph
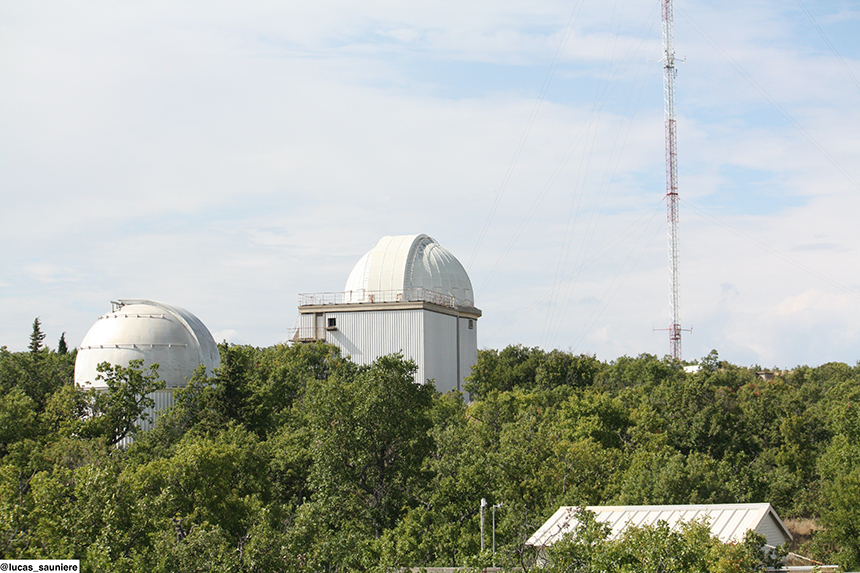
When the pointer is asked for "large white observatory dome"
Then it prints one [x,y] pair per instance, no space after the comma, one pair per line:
[155,332]
[407,267]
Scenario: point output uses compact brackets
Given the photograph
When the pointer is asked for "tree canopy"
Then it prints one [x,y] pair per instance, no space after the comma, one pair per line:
[293,458]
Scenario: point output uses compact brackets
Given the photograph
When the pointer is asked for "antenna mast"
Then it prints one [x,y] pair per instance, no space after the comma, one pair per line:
[671,181]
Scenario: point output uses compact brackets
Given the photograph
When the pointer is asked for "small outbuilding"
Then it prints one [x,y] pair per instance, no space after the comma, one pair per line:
[728,522]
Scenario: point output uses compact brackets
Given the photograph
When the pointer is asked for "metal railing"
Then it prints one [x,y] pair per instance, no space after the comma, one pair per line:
[306,333]
[362,296]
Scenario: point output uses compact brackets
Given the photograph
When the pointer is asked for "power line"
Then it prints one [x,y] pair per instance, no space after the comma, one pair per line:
[788,117]
[640,223]
[829,45]
[770,250]
[532,116]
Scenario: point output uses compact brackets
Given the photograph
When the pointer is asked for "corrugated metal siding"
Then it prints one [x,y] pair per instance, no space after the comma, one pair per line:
[306,322]
[770,529]
[729,525]
[309,326]
[163,400]
[440,343]
[366,336]
[428,337]
[468,348]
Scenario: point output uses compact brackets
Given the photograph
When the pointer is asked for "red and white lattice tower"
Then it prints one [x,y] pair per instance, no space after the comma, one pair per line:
[671,181]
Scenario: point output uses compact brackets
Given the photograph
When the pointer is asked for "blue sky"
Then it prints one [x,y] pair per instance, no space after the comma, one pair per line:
[225,157]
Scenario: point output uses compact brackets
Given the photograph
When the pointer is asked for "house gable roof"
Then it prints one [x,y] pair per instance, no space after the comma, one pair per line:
[728,522]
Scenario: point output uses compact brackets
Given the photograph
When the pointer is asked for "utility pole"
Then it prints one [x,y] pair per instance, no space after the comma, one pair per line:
[483,511]
[494,531]
[670,72]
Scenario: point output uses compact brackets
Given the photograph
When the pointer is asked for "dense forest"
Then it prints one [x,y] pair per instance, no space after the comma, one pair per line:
[293,458]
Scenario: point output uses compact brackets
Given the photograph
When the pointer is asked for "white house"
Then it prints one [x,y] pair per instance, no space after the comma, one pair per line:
[728,522]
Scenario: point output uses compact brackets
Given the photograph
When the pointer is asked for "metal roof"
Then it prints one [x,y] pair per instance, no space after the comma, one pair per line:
[152,331]
[729,522]
[405,263]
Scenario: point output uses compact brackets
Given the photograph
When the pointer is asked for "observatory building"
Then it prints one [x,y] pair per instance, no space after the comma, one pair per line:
[407,294]
[152,331]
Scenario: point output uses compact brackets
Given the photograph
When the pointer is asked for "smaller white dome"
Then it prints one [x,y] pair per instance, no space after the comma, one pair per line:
[158,333]
[401,266]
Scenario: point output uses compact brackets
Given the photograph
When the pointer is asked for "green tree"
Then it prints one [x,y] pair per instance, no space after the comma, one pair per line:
[666,476]
[279,378]
[219,479]
[577,551]
[644,370]
[230,386]
[294,458]
[515,366]
[370,436]
[369,439]
[37,375]
[564,369]
[114,412]
[36,337]
[703,414]
[749,555]
[62,348]
[840,514]
[18,419]
[442,529]
[687,548]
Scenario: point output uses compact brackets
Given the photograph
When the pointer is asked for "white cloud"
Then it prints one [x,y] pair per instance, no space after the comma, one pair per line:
[816,300]
[226,158]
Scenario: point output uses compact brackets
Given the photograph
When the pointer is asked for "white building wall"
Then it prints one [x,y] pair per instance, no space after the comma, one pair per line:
[306,325]
[443,344]
[163,400]
[468,348]
[366,336]
[440,340]
[769,528]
